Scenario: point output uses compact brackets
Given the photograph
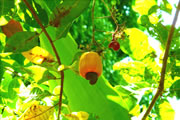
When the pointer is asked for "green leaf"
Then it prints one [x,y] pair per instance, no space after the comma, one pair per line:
[145,20]
[65,13]
[48,5]
[41,14]
[21,41]
[162,32]
[128,96]
[36,90]
[153,9]
[46,76]
[62,30]
[40,93]
[100,99]
[19,58]
[1,70]
[6,81]
[6,6]
[175,89]
[166,6]
[29,19]
[12,85]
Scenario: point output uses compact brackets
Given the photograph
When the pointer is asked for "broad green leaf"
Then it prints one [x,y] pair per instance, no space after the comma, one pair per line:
[101,99]
[6,6]
[21,41]
[137,46]
[48,5]
[11,88]
[19,58]
[65,13]
[128,97]
[166,111]
[175,89]
[41,14]
[29,19]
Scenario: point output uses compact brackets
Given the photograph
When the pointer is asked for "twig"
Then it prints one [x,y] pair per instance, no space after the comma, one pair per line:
[102,17]
[114,19]
[93,29]
[54,49]
[163,70]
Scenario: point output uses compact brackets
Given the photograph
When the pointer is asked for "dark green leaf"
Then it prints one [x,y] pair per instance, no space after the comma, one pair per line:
[39,11]
[36,90]
[175,89]
[162,32]
[41,14]
[145,20]
[46,76]
[19,58]
[6,6]
[153,9]
[21,41]
[44,94]
[40,94]
[65,13]
[48,5]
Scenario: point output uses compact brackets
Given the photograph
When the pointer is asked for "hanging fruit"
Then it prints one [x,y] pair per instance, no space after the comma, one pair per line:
[114,45]
[90,66]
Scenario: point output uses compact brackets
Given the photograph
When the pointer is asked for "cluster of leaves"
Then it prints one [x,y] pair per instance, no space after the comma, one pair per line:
[29,76]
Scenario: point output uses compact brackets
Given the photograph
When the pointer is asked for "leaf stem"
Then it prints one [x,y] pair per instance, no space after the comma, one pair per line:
[54,49]
[93,29]
[163,70]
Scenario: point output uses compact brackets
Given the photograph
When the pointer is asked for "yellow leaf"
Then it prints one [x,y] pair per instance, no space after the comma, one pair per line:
[38,55]
[37,72]
[135,111]
[166,111]
[38,112]
[143,6]
[153,18]
[77,116]
[83,115]
[140,39]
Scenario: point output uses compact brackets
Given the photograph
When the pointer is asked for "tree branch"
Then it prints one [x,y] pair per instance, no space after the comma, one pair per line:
[54,49]
[163,70]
